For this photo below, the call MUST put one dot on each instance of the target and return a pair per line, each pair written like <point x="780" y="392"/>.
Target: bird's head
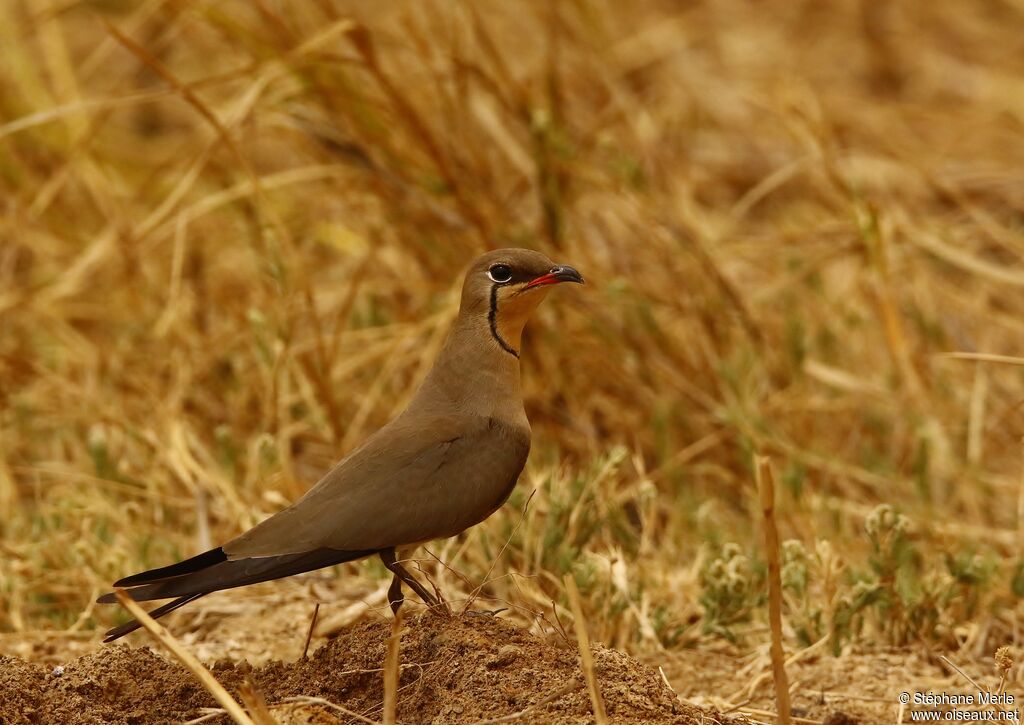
<point x="506" y="285"/>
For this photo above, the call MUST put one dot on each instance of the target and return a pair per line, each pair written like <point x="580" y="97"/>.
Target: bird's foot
<point x="433" y="603"/>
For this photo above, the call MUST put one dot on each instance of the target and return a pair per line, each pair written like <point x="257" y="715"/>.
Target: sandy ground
<point x="460" y="669"/>
<point x="464" y="669"/>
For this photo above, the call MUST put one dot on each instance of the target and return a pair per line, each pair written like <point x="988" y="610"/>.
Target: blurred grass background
<point x="233" y="234"/>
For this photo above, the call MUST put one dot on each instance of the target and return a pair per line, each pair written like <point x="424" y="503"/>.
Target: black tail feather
<point x="188" y="566"/>
<point x="127" y="627"/>
<point x="238" y="573"/>
<point x="194" y="580"/>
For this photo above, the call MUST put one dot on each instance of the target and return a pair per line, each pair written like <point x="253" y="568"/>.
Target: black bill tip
<point x="565" y="273"/>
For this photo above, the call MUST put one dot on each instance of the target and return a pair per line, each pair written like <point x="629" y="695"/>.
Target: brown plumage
<point x="446" y="463"/>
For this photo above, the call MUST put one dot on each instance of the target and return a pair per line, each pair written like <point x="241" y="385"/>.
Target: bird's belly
<point x="475" y="507"/>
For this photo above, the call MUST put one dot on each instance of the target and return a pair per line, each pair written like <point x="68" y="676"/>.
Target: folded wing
<point x="400" y="488"/>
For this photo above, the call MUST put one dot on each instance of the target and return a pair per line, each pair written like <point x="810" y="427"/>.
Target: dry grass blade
<point x="985" y="357"/>
<point x="304" y="700"/>
<point x="767" y="713"/>
<point x="255" y="703"/>
<point x="586" y="655"/>
<point x="766" y="487"/>
<point x="973" y="682"/>
<point x="297" y="702"/>
<point x="392" y="670"/>
<point x="208" y="714"/>
<point x="186" y="658"/>
<point x="193" y="100"/>
<point x="487" y="577"/>
<point x="309" y="632"/>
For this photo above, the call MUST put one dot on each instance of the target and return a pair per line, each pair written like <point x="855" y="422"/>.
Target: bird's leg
<point x="401" y="575"/>
<point x="395" y="596"/>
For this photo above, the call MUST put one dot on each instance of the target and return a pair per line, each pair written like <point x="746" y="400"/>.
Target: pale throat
<point x="512" y="312"/>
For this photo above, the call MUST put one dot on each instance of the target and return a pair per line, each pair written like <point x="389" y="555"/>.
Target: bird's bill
<point x="561" y="273"/>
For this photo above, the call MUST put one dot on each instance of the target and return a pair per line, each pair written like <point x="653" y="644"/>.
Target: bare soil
<point x="487" y="667"/>
<point x="461" y="669"/>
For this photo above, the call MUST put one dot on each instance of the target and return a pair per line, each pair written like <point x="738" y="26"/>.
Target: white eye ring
<point x="500" y="273"/>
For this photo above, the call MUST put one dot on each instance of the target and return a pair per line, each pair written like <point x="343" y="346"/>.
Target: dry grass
<point x="232" y="235"/>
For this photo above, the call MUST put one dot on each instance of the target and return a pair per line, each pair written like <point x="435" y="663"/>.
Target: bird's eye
<point x="500" y="273"/>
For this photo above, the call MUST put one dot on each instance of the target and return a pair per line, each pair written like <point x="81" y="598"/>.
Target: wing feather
<point x="414" y="481"/>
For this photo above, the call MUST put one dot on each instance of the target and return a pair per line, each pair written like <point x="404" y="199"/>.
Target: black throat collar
<point x="492" y="318"/>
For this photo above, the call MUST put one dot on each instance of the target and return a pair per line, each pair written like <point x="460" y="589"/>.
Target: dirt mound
<point x="454" y="670"/>
<point x="114" y="685"/>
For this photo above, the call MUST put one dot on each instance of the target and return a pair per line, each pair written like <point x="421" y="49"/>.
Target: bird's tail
<point x="212" y="571"/>
<point x="127" y="627"/>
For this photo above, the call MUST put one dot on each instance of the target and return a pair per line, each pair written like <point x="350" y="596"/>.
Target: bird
<point x="448" y="461"/>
